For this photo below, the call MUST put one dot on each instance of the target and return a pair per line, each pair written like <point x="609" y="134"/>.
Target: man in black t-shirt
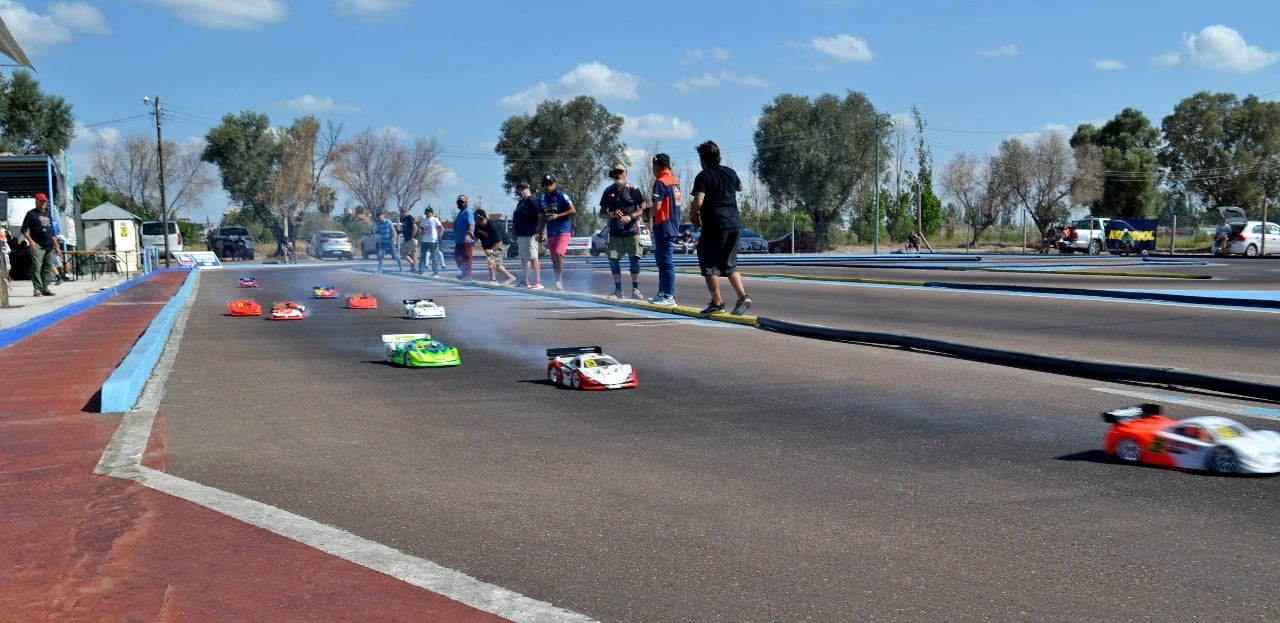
<point x="527" y="220"/>
<point x="493" y="241"/>
<point x="37" y="228"/>
<point x="715" y="210"/>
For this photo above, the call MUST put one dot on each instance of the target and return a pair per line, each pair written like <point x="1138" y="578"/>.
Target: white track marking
<point x="1237" y="410"/>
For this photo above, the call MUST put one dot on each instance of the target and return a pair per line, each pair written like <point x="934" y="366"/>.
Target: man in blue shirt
<point x="558" y="225"/>
<point x="386" y="241"/>
<point x="464" y="236"/>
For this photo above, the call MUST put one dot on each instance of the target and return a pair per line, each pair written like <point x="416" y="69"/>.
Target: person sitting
<point x="913" y="243"/>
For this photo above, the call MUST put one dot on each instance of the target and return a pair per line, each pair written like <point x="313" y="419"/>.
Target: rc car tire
<point x="575" y="380"/>
<point x="551" y="376"/>
<point x="1223" y="461"/>
<point x="1128" y="450"/>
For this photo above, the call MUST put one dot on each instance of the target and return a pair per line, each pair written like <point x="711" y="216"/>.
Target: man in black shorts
<point x="715" y="210"/>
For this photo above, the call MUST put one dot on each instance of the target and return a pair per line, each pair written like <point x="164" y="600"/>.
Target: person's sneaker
<point x="493" y="282"/>
<point x="616" y="294"/>
<point x="657" y="298"/>
<point x="559" y="287"/>
<point x="47" y="293"/>
<point x="664" y="301"/>
<point x="712" y="308"/>
<point x="537" y="286"/>
<point x="635" y="294"/>
<point x="508" y="281"/>
<point x="742" y="306"/>
<point x="36" y="294"/>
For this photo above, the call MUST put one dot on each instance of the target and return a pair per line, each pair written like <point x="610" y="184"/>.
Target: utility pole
<point x="164" y="211"/>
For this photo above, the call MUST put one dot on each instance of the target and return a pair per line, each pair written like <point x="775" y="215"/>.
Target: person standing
<point x="664" y="219"/>
<point x="558" y="225"/>
<point x="37" y="228"/>
<point x="1221" y="237"/>
<point x="715" y="210"/>
<point x="527" y="220"/>
<point x="432" y="230"/>
<point x="386" y="241"/>
<point x="494" y="242"/>
<point x="464" y="236"/>
<point x="410" y="234"/>
<point x="623" y="205"/>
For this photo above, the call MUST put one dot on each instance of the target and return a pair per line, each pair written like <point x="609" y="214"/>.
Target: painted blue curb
<point x="44" y="321"/>
<point x="121" y="390"/>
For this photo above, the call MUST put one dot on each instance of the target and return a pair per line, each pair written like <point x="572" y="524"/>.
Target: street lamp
<point x="164" y="212"/>
<point x="876" y="237"/>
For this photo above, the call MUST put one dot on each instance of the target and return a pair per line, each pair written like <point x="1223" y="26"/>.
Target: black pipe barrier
<point x="1045" y="363"/>
<point x="1207" y="299"/>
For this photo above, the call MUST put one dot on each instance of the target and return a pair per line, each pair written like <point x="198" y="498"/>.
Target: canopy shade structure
<point x="9" y="47"/>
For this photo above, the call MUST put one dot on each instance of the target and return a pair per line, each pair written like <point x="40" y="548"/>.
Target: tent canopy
<point x="9" y="47"/>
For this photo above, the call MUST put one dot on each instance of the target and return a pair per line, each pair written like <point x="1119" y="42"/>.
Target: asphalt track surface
<point x="752" y="476"/>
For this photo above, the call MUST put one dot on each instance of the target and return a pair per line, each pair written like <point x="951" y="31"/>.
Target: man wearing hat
<point x="464" y="237"/>
<point x="432" y="229"/>
<point x="623" y="204"/>
<point x="37" y="228"/>
<point x="527" y="220"/>
<point x="558" y="209"/>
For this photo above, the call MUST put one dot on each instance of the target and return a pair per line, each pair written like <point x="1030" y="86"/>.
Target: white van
<point x="153" y="236"/>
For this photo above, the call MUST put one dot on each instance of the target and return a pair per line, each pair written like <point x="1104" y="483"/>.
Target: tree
<point x="32" y="122"/>
<point x="928" y="205"/>
<point x="1128" y="145"/>
<point x="577" y="141"/>
<point x="972" y="183"/>
<point x="1224" y="151"/>
<point x="1043" y="178"/>
<point x="817" y="155"/>
<point x="245" y="149"/>
<point x="89" y="194"/>
<point x="129" y="170"/>
<point x="383" y="176"/>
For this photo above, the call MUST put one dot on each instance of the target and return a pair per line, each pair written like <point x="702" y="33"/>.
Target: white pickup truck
<point x="1087" y="235"/>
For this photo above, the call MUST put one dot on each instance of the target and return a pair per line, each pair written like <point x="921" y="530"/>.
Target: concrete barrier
<point x="121" y="390"/>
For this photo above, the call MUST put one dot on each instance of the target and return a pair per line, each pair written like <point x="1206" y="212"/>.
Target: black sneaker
<point x="712" y="308"/>
<point x="742" y="306"/>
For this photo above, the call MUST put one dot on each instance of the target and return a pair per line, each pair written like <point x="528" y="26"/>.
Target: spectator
<point x="913" y="243"/>
<point x="386" y="241"/>
<point x="494" y="242"/>
<point x="715" y="210"/>
<point x="528" y="220"/>
<point x="37" y="228"/>
<point x="409" y="243"/>
<point x="623" y="205"/>
<point x="464" y="236"/>
<point x="558" y="225"/>
<point x="664" y="219"/>
<point x="1221" y="237"/>
<point x="432" y="230"/>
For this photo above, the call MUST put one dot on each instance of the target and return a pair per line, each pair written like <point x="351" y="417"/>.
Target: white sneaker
<point x="536" y="286"/>
<point x="559" y="287"/>
<point x="493" y="283"/>
<point x="665" y="301"/>
<point x="508" y="281"/>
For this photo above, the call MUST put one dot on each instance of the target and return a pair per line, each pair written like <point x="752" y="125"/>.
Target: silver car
<point x="751" y="242"/>
<point x="1250" y="238"/>
<point x="330" y="244"/>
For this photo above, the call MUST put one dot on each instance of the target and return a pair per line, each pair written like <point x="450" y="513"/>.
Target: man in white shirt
<point x="432" y="229"/>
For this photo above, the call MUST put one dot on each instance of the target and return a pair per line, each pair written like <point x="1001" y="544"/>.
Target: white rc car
<point x="422" y="308"/>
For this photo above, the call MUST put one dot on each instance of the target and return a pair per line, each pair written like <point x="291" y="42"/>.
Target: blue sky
<point x="683" y="73"/>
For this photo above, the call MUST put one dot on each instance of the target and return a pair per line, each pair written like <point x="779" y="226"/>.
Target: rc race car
<point x="1140" y="434"/>
<point x="288" y="310"/>
<point x="248" y="282"/>
<point x="422" y="308"/>
<point x="244" y="307"/>
<point x="587" y="367"/>
<point x="324" y="292"/>
<point x="362" y="300"/>
<point x="418" y="350"/>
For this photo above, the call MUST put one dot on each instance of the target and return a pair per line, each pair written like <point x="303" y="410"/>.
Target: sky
<point x="454" y="70"/>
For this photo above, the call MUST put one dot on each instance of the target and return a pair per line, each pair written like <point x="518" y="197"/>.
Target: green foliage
<point x="32" y="122"/>
<point x="577" y="141"/>
<point x="89" y="195"/>
<point x="1222" y="150"/>
<point x="246" y="150"/>
<point x="1128" y="145"/>
<point x="817" y="155"/>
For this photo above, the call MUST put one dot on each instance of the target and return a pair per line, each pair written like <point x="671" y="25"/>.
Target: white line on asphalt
<point x="122" y="458"/>
<point x="1238" y="410"/>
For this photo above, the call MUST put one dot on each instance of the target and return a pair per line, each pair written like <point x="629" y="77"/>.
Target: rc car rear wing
<point x="1125" y="414"/>
<point x="569" y="351"/>
<point x="403" y="338"/>
<point x="416" y="301"/>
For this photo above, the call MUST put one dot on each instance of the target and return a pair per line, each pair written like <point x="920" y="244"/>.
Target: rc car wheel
<point x="551" y="375"/>
<point x="1224" y="461"/>
<point x="575" y="380"/>
<point x="1127" y="450"/>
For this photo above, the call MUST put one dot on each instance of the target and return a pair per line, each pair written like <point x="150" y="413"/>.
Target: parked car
<point x="232" y="242"/>
<point x="600" y="241"/>
<point x="330" y="244"/>
<point x="1250" y="238"/>
<point x="751" y="242"/>
<point x="805" y="242"/>
<point x="369" y="241"/>
<point x="153" y="236"/>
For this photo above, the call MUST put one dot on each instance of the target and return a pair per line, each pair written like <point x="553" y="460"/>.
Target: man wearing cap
<point x="37" y="228"/>
<point x="464" y="237"/>
<point x="386" y="241"/>
<point x="432" y="229"/>
<point x="527" y="220"/>
<point x="623" y="205"/>
<point x="558" y="227"/>
<point x="664" y="219"/>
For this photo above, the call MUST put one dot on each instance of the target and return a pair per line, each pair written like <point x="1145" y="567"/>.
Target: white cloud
<point x="698" y="54"/>
<point x="36" y="32"/>
<point x="234" y="14"/>
<point x="308" y="104"/>
<point x="709" y="80"/>
<point x="1219" y="47"/>
<point x="594" y="79"/>
<point x="1029" y="138"/>
<point x="370" y="7"/>
<point x="654" y="127"/>
<point x="1007" y="49"/>
<point x="844" y="48"/>
<point x="1108" y="64"/>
